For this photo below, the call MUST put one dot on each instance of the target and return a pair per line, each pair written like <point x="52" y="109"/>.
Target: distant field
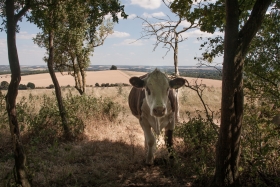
<point x="116" y="76"/>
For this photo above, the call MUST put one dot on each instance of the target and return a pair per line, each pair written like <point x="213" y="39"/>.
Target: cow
<point x="153" y="101"/>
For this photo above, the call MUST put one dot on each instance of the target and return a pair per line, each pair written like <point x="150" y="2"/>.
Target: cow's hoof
<point x="172" y="161"/>
<point x="149" y="163"/>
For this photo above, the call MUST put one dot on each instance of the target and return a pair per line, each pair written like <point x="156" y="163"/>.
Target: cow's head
<point x="157" y="86"/>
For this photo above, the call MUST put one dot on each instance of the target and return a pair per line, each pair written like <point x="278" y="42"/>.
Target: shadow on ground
<point x="89" y="163"/>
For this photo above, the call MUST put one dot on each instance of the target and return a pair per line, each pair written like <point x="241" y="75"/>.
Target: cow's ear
<point x="177" y="83"/>
<point x="137" y="82"/>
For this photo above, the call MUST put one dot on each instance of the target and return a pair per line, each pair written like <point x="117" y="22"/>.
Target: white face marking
<point x="156" y="89"/>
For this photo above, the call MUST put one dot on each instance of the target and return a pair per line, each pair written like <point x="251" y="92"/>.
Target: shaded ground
<point x="91" y="163"/>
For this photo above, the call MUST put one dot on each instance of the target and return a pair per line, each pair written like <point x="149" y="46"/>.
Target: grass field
<point x="111" y="152"/>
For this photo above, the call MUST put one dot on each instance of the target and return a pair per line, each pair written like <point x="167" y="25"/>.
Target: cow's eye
<point x="148" y="90"/>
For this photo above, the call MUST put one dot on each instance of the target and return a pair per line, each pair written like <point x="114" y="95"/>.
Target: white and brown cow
<point x="152" y="100"/>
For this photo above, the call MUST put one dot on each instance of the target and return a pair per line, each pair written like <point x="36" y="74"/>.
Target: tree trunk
<point x="80" y="61"/>
<point x="235" y="48"/>
<point x="176" y="56"/>
<point x="19" y="155"/>
<point x="62" y="111"/>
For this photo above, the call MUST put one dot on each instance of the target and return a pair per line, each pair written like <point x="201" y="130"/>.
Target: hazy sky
<point x="118" y="49"/>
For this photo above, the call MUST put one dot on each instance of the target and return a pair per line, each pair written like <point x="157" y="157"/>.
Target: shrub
<point x="113" y="67"/>
<point x="43" y="121"/>
<point x="97" y="84"/>
<point x="260" y="159"/>
<point x="198" y="147"/>
<point x="4" y="85"/>
<point x="50" y="86"/>
<point x="31" y="85"/>
<point x="22" y="87"/>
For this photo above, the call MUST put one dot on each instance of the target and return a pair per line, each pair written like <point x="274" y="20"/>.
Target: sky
<point x="123" y="46"/>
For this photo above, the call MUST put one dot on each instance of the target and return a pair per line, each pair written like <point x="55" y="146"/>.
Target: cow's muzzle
<point x="159" y="111"/>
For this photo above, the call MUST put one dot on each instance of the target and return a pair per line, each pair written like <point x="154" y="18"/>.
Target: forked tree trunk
<point x="62" y="111"/>
<point x="235" y="48"/>
<point x="19" y="155"/>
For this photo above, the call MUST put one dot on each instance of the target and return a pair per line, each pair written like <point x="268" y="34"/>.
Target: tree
<point x="47" y="19"/>
<point x="261" y="65"/>
<point x="113" y="67"/>
<point x="243" y="19"/>
<point x="31" y="85"/>
<point x="168" y="32"/>
<point x="4" y="85"/>
<point x="72" y="51"/>
<point x="11" y="15"/>
<point x="50" y="21"/>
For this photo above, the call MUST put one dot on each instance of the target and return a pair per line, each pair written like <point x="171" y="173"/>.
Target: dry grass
<point x="111" y="154"/>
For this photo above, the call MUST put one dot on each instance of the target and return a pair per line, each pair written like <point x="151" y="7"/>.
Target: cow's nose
<point x="159" y="111"/>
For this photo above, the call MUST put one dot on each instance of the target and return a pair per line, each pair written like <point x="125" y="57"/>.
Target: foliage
<point x="22" y="87"/>
<point x="50" y="86"/>
<point x="261" y="123"/>
<point x="260" y="139"/>
<point x="198" y="147"/>
<point x="3" y="112"/>
<point x="262" y="69"/>
<point x="31" y="85"/>
<point x="75" y="36"/>
<point x="39" y="116"/>
<point x="4" y="85"/>
<point x="113" y="67"/>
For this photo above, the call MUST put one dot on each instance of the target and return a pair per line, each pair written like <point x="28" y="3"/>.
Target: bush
<point x="4" y="85"/>
<point x="198" y="148"/>
<point x="43" y="123"/>
<point x="50" y="86"/>
<point x="31" y="85"/>
<point x="97" y="84"/>
<point x="22" y="87"/>
<point x="113" y="67"/>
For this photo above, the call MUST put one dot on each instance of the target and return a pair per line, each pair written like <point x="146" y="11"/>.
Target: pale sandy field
<point x="116" y="76"/>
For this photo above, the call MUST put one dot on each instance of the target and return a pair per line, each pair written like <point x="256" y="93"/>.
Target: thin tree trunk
<point x="235" y="48"/>
<point x="62" y="111"/>
<point x="176" y="56"/>
<point x="19" y="155"/>
<point x="83" y="74"/>
<point x="78" y="83"/>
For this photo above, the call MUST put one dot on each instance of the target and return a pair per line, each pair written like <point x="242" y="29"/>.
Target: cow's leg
<point x="169" y="142"/>
<point x="149" y="142"/>
<point x="169" y="137"/>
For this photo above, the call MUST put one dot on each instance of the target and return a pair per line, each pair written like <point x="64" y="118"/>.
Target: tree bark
<point x="176" y="56"/>
<point x="62" y="111"/>
<point x="19" y="155"/>
<point x="235" y="48"/>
